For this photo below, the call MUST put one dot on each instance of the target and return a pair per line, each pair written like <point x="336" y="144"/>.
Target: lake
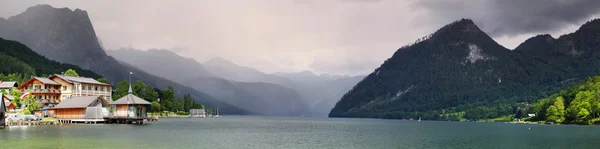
<point x="285" y="132"/>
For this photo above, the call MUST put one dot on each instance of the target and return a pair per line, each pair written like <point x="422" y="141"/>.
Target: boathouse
<point x="130" y="106"/>
<point x="82" y="109"/>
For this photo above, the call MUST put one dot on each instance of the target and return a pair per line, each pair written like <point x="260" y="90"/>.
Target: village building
<point x="8" y="105"/>
<point x="130" y="106"/>
<point x="200" y="113"/>
<point x="82" y="86"/>
<point x="81" y="109"/>
<point x="44" y="90"/>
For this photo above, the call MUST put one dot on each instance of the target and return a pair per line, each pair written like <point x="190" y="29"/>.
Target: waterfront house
<point x="46" y="91"/>
<point x="130" y="106"/>
<point x="197" y="113"/>
<point x="82" y="86"/>
<point x="7" y="85"/>
<point x="82" y="108"/>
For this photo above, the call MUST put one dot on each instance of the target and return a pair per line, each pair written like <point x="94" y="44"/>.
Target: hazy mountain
<point x="68" y="36"/>
<point x="259" y="98"/>
<point x="165" y="63"/>
<point x="321" y="92"/>
<point x="458" y="68"/>
<point x="231" y="71"/>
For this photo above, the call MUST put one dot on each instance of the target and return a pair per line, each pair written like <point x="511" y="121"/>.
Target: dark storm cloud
<point x="512" y="17"/>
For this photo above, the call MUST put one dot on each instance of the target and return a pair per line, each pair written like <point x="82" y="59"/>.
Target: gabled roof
<point x="43" y="80"/>
<point x="8" y="84"/>
<point x="71" y="79"/>
<point x="79" y="102"/>
<point x="130" y="99"/>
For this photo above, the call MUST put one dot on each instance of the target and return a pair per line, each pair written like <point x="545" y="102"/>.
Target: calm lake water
<point x="283" y="132"/>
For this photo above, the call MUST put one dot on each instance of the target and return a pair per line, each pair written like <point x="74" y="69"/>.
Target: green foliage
<point x="31" y="104"/>
<point x="71" y="73"/>
<point x="555" y="113"/>
<point x="155" y="106"/>
<point x="579" y="104"/>
<point x="16" y="93"/>
<point x="121" y="89"/>
<point x="19" y="78"/>
<point x="103" y="80"/>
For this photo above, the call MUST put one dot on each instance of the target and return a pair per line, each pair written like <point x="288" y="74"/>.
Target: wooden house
<point x="46" y="91"/>
<point x="83" y="108"/>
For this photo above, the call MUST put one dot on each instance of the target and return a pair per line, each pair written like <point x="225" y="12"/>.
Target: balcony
<point x="43" y="91"/>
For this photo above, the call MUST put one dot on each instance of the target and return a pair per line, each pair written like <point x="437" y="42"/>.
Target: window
<point x="64" y="88"/>
<point x="55" y="97"/>
<point x="90" y="88"/>
<point x="39" y="97"/>
<point x="83" y="87"/>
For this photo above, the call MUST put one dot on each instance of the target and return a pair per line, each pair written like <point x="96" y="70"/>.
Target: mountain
<point x="228" y="70"/>
<point x="459" y="68"/>
<point x="18" y="58"/>
<point x="68" y="37"/>
<point x="173" y="66"/>
<point x="321" y="92"/>
<point x="257" y="97"/>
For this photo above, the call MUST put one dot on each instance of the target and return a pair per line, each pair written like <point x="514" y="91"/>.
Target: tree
<point x="581" y="101"/>
<point x="556" y="112"/>
<point x="168" y="99"/>
<point x="103" y="80"/>
<point x="121" y="90"/>
<point x="150" y="93"/>
<point x="4" y="92"/>
<point x="155" y="106"/>
<point x="138" y="88"/>
<point x="583" y="117"/>
<point x="71" y="72"/>
<point x="31" y="104"/>
<point x="16" y="93"/>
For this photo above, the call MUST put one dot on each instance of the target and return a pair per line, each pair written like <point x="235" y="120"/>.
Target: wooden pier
<point x="31" y="123"/>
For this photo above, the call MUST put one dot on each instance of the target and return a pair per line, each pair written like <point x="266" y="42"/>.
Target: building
<point x="130" y="106"/>
<point x="200" y="113"/>
<point x="82" y="86"/>
<point x="2" y="112"/>
<point x="82" y="108"/>
<point x="7" y="85"/>
<point x="8" y="105"/>
<point x="46" y="91"/>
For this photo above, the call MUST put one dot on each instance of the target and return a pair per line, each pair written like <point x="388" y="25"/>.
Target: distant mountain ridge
<point x="68" y="36"/>
<point x="459" y="68"/>
<point x="257" y="97"/>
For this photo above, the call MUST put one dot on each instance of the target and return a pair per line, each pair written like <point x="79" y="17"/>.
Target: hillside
<point x="459" y="68"/>
<point x="18" y="58"/>
<point x="68" y="36"/>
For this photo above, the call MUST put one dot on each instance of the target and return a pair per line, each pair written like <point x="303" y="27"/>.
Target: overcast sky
<point x="323" y="36"/>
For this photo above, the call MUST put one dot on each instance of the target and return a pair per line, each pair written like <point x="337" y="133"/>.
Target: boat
<point x="419" y="119"/>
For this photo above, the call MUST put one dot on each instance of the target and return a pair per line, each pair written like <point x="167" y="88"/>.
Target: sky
<point x="344" y="37"/>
